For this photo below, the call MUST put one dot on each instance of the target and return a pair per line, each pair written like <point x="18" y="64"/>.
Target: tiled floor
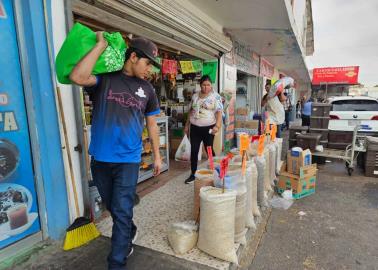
<point x="171" y="201"/>
<point x="175" y="168"/>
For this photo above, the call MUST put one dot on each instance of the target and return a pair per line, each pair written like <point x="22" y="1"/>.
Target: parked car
<point x="349" y="111"/>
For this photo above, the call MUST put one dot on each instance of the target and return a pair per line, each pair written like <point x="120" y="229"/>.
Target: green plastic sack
<point x="79" y="42"/>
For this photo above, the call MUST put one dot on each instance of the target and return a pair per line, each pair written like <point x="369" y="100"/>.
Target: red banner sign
<point x="266" y="69"/>
<point x="335" y="75"/>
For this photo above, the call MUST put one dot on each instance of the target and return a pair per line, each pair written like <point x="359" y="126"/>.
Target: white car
<point x="349" y="111"/>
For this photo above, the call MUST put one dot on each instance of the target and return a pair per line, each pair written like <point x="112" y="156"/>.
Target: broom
<point x="82" y="230"/>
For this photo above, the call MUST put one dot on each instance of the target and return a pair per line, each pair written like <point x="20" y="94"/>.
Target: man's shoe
<point x="190" y="179"/>
<point x="131" y="252"/>
<point x="135" y="237"/>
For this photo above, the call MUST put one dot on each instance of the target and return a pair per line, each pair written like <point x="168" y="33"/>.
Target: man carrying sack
<point x="121" y="100"/>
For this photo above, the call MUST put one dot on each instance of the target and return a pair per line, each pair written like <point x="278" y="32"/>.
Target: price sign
<point x="267" y="126"/>
<point x="223" y="167"/>
<point x="260" y="148"/>
<point x="273" y="133"/>
<point x="244" y="143"/>
<point x="244" y="164"/>
<point x="210" y="155"/>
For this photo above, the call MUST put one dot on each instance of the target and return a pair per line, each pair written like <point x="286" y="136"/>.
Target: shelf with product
<point x="147" y="164"/>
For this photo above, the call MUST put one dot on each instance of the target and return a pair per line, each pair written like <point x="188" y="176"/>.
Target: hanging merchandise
<point x="216" y="233"/>
<point x="155" y="69"/>
<point x="197" y="65"/>
<point x="169" y="67"/>
<point x="187" y="67"/>
<point x="79" y="42"/>
<point x="210" y="68"/>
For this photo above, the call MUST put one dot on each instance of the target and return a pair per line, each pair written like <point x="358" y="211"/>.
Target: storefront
<point x="188" y="48"/>
<point x="247" y="64"/>
<point x="33" y="198"/>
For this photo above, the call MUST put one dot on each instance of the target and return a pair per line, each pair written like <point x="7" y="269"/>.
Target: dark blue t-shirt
<point x="120" y="103"/>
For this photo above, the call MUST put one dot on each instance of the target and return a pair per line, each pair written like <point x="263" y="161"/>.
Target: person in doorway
<point x="265" y="106"/>
<point x="306" y="112"/>
<point x="288" y="108"/>
<point x="204" y="121"/>
<point x="298" y="108"/>
<point x="121" y="101"/>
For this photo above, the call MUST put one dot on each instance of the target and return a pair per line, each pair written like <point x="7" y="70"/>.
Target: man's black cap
<point x="147" y="47"/>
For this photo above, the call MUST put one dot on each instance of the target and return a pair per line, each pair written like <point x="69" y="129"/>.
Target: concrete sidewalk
<point x="338" y="228"/>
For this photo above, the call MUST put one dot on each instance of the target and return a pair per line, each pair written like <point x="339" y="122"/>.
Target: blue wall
<point x="49" y="162"/>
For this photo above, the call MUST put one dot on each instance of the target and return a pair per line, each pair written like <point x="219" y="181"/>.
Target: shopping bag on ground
<point x="183" y="151"/>
<point x="79" y="42"/>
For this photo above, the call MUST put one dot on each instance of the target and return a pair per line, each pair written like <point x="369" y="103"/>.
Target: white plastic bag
<point x="216" y="233"/>
<point x="183" y="151"/>
<point x="183" y="236"/>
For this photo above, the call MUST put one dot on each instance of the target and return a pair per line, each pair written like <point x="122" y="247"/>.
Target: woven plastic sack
<point x="276" y="111"/>
<point x="235" y="181"/>
<point x="272" y="161"/>
<point x="79" y="42"/>
<point x="260" y="165"/>
<point x="254" y="177"/>
<point x="217" y="229"/>
<point x="249" y="220"/>
<point x="183" y="236"/>
<point x="204" y="178"/>
<point x="267" y="186"/>
<point x="252" y="150"/>
<point x="279" y="142"/>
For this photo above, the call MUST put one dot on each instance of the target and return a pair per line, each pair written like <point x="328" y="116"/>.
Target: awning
<point x="268" y="27"/>
<point x="172" y="25"/>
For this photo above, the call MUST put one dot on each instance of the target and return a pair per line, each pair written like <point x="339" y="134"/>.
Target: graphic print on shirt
<point x="125" y="99"/>
<point x="140" y="92"/>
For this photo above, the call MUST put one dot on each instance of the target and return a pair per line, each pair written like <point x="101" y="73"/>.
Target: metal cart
<point x="351" y="152"/>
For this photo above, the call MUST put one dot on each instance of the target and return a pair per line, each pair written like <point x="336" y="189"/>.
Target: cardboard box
<point x="302" y="185"/>
<point x="296" y="160"/>
<point x="242" y="111"/>
<point x="252" y="124"/>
